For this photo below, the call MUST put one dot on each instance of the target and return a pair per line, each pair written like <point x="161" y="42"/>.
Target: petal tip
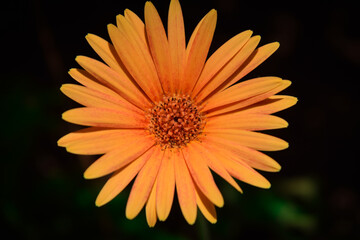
<point x="276" y="45"/>
<point x="89" y="174"/>
<point x="129" y="215"/>
<point x="60" y="142"/>
<point x="295" y="100"/>
<point x="80" y="58"/>
<point x="111" y="27"/>
<point x="99" y="203"/>
<point x="71" y="71"/>
<point x="213" y="13"/>
<point x="213" y="221"/>
<point x="89" y="35"/>
<point x="238" y="188"/>
<point x="256" y="38"/>
<point x="285" y="124"/>
<point x="86" y="175"/>
<point x="148" y="4"/>
<point x="64" y="115"/>
<point x="283" y="145"/>
<point x="127" y="11"/>
<point x="64" y="87"/>
<point x="248" y="32"/>
<point x="191" y="221"/>
<point x="220" y="202"/>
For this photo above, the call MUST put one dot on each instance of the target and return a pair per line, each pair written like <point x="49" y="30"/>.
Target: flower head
<point x="161" y="112"/>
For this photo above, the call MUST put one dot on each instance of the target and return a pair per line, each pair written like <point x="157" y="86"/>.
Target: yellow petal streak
<point x="159" y="45"/>
<point x="92" y="98"/>
<point x="93" y="140"/>
<point x="120" y="179"/>
<point x="216" y="166"/>
<point x="239" y="105"/>
<point x="271" y="105"/>
<point x="150" y="208"/>
<point x="242" y="91"/>
<point x="176" y="38"/>
<point x="256" y="140"/>
<point x="250" y="156"/>
<point x="165" y="186"/>
<point x="137" y="24"/>
<point x="185" y="188"/>
<point x="143" y="184"/>
<point x="238" y="168"/>
<point x="197" y="50"/>
<point x="136" y="57"/>
<point x="201" y="173"/>
<point x="90" y="82"/>
<point x="218" y="80"/>
<point x="255" y="59"/>
<point x="118" y="158"/>
<point x="218" y="59"/>
<point x="102" y="117"/>
<point x="242" y="171"/>
<point x="110" y="78"/>
<point x="240" y="120"/>
<point x="106" y="51"/>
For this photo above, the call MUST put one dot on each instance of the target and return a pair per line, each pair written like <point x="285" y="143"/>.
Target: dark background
<point x="315" y="196"/>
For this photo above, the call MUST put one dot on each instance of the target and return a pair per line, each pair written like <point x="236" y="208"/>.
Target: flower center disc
<point x="175" y="121"/>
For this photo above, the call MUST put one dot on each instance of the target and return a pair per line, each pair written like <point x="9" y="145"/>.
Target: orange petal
<point x="238" y="106"/>
<point x="246" y="121"/>
<point x="228" y="70"/>
<point x="133" y="31"/>
<point x="197" y="50"/>
<point x="136" y="57"/>
<point x="89" y="81"/>
<point x="256" y="140"/>
<point x="244" y="154"/>
<point x="242" y="91"/>
<point x="176" y="38"/>
<point x="120" y="84"/>
<point x="106" y="51"/>
<point x="83" y="133"/>
<point x="206" y="207"/>
<point x="120" y="179"/>
<point x="271" y="105"/>
<point x="92" y="98"/>
<point x="238" y="168"/>
<point x="137" y="24"/>
<point x="92" y="141"/>
<point x="150" y="208"/>
<point x="143" y="184"/>
<point x="256" y="58"/>
<point x="118" y="158"/>
<point x="201" y="173"/>
<point x="217" y="167"/>
<point x="165" y="186"/>
<point x="101" y="117"/>
<point x="159" y="46"/>
<point x="185" y="188"/>
<point x="220" y="58"/>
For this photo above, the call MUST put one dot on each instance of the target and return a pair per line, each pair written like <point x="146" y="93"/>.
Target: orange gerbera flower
<point x="163" y="114"/>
